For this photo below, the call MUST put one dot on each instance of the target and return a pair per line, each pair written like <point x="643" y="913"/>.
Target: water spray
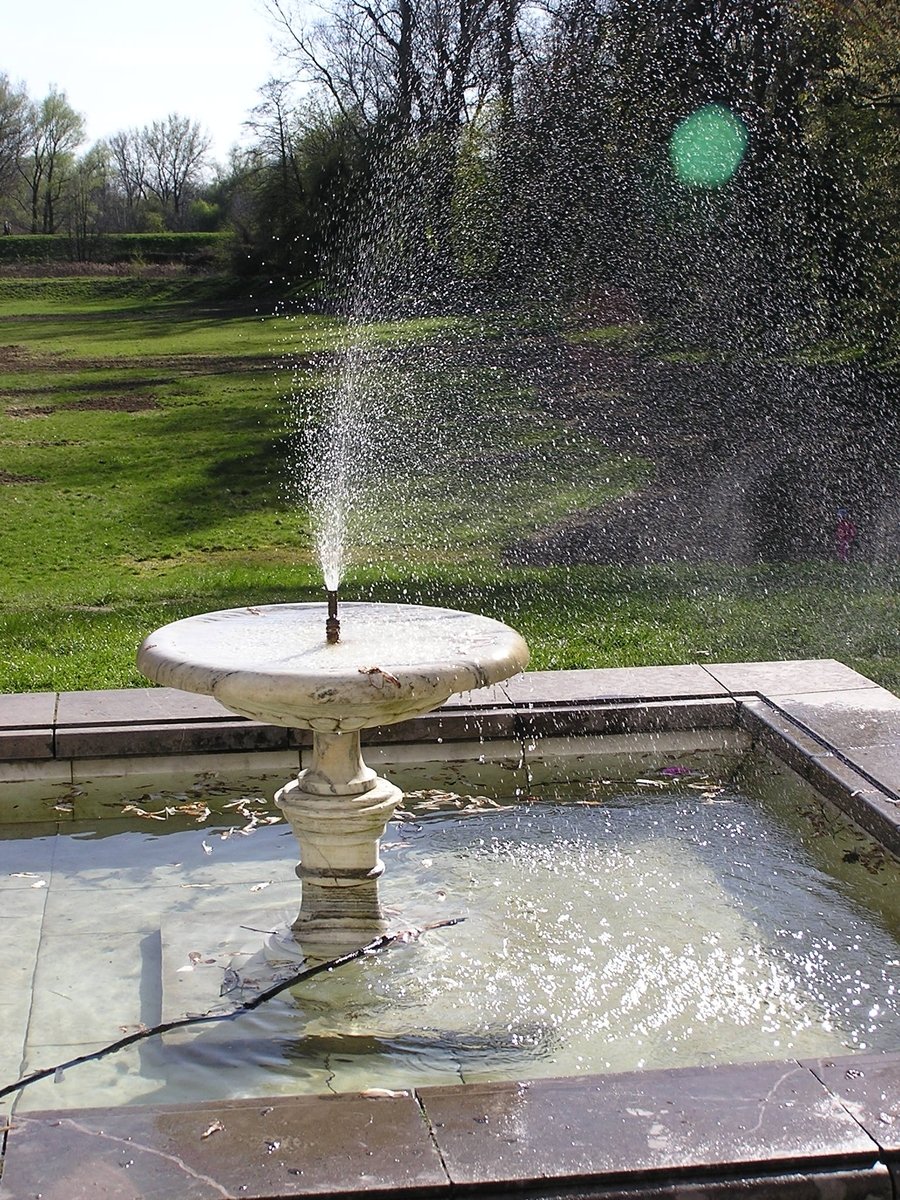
<point x="332" y="624"/>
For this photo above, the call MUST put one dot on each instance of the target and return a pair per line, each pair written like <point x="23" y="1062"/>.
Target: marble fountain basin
<point x="272" y="663"/>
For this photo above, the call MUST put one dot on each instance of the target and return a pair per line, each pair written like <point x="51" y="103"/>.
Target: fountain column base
<point x="338" y="817"/>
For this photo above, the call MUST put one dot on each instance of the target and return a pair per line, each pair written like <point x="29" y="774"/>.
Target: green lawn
<point x="148" y="470"/>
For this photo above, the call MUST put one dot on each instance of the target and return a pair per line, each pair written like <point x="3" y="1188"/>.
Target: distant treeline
<point x="723" y="173"/>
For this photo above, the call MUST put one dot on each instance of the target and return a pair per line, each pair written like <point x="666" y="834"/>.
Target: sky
<point x="126" y="63"/>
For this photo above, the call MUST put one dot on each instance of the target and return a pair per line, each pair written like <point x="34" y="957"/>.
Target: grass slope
<point x="145" y="474"/>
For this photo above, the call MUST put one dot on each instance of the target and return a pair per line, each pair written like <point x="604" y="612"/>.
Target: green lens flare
<point x="708" y="147"/>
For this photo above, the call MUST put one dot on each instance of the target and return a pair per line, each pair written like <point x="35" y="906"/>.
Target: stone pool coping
<point x="789" y="1128"/>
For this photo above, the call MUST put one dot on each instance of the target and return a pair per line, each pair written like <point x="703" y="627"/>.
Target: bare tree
<point x="273" y="121"/>
<point x="176" y="154"/>
<point x="423" y="64"/>
<point x="128" y="152"/>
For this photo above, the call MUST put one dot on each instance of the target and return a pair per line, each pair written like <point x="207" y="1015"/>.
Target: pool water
<point x="677" y="919"/>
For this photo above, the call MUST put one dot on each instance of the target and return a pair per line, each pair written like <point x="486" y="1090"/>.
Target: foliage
<point x="529" y="147"/>
<point x="852" y="125"/>
<point x="293" y="199"/>
<point x="45" y="161"/>
<point x="14" y="117"/>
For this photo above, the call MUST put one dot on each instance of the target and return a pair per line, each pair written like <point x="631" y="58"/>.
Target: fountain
<point x="280" y="664"/>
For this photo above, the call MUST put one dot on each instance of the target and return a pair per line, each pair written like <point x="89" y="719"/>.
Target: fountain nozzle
<point x="332" y="624"/>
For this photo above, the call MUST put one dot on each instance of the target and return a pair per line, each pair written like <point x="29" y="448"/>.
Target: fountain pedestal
<point x="273" y="664"/>
<point x="338" y="809"/>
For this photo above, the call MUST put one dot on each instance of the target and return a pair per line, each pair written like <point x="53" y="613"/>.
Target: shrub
<point x="198" y="250"/>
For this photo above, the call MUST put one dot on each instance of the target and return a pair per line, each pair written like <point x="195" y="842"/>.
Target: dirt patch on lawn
<point x="115" y="404"/>
<point x="11" y="478"/>
<point x="89" y="404"/>
<point x="24" y="412"/>
<point x="176" y="365"/>
<point x="16" y="358"/>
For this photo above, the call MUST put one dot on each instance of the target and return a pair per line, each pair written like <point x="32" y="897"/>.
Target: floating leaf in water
<point x="195" y="809"/>
<point x="136" y="811"/>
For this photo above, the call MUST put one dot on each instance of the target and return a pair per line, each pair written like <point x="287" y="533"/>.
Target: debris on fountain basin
<point x="386" y="663"/>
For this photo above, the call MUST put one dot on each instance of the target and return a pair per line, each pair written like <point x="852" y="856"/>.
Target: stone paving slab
<point x="608" y="683"/>
<point x="652" y="716"/>
<point x="864" y="783"/>
<point x="309" y="1146"/>
<point x="26" y="725"/>
<point x="848" y="717"/>
<point x="28" y="710"/>
<point x="791" y="676"/>
<point x="869" y="1087"/>
<point x="774" y="730"/>
<point x="773" y="1130"/>
<point x="136" y="705"/>
<point x="654" y="1121"/>
<point x="165" y="721"/>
